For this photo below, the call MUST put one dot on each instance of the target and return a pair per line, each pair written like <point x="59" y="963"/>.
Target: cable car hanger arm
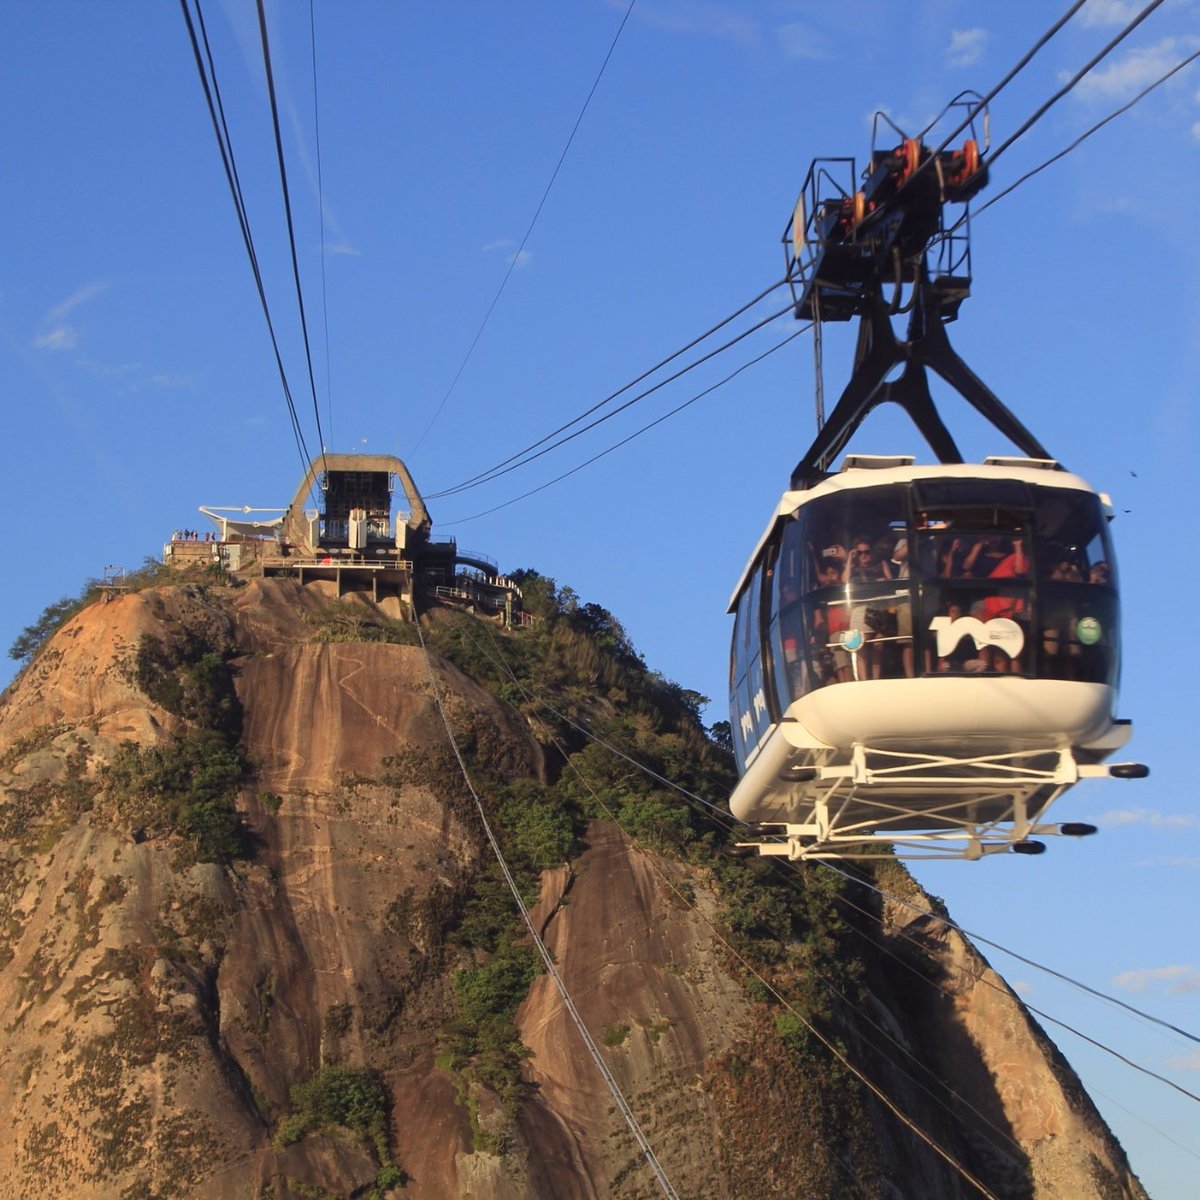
<point x="927" y="345"/>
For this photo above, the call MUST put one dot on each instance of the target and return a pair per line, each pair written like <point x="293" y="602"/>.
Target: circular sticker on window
<point x="1088" y="631"/>
<point x="852" y="640"/>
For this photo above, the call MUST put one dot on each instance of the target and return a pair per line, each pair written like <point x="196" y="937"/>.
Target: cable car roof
<point x="863" y="471"/>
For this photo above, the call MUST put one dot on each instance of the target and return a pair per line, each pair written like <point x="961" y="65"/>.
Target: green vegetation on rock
<point x="187" y="786"/>
<point x="54" y="616"/>
<point x="339" y="624"/>
<point x="346" y="1097"/>
<point x="574" y="671"/>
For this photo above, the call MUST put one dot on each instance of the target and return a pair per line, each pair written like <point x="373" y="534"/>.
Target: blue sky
<point x="138" y="380"/>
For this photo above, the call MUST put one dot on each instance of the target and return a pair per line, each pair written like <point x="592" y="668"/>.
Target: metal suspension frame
<point x="846" y="243"/>
<point x="1011" y="788"/>
<point x="926" y="346"/>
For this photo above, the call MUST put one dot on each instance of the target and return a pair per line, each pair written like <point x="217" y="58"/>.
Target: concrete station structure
<point x="358" y="539"/>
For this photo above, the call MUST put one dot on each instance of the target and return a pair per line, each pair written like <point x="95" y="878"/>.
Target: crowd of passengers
<point x="885" y="621"/>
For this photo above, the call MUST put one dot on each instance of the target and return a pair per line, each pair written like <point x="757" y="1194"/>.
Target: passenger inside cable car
<point x="945" y="576"/>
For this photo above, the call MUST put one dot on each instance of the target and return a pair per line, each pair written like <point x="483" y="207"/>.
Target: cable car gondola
<point x="923" y="655"/>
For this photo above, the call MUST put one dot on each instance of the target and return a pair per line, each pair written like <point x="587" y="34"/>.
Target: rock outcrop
<point x="183" y="1019"/>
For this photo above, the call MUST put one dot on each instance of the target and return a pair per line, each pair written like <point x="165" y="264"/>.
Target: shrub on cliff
<point x="187" y="787"/>
<point x="354" y="1098"/>
<point x="54" y="616"/>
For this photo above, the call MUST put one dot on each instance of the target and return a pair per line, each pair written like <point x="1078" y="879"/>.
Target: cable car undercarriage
<point x="990" y="804"/>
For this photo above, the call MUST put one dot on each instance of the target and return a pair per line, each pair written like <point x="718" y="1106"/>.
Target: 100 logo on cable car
<point x="1001" y="632"/>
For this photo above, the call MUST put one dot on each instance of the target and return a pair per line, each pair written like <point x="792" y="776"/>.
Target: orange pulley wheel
<point x="859" y="209"/>
<point x="970" y="162"/>
<point x="910" y="156"/>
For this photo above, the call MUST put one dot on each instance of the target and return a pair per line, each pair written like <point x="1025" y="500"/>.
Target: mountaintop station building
<point x="355" y="540"/>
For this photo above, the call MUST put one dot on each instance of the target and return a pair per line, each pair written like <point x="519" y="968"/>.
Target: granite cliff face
<point x="252" y="943"/>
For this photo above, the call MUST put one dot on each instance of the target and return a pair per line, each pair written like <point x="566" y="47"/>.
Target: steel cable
<point x="543" y="952"/>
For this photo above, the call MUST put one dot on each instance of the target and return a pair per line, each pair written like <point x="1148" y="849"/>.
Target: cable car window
<point x="976" y="629"/>
<point x="790" y="565"/>
<point x="782" y="656"/>
<point x="758" y="699"/>
<point x="1073" y="545"/>
<point x="748" y="701"/>
<point x="743" y="735"/>
<point x="857" y="608"/>
<point x="775" y="595"/>
<point x="827" y="620"/>
<point x="769" y="649"/>
<point x="935" y="494"/>
<point x="1078" y="614"/>
<point x="756" y="684"/>
<point x="787" y="638"/>
<point x="1079" y="624"/>
<point x="735" y="647"/>
<point x="977" y="555"/>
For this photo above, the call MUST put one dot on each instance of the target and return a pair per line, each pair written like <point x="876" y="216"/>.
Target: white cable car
<point x="922" y="655"/>
<point x="927" y="655"/>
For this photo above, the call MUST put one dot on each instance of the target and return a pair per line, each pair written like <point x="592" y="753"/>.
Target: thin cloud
<point x="109" y="370"/>
<point x="904" y="121"/>
<point x="966" y="46"/>
<point x="81" y="295"/>
<point x="244" y="25"/>
<point x="62" y="337"/>
<point x="1108" y="12"/>
<point x="521" y="259"/>
<point x="1022" y="987"/>
<point x="1186" y="1062"/>
<point x="1180" y="980"/>
<point x="498" y="244"/>
<point x="800" y="41"/>
<point x="1152" y="820"/>
<point x="710" y="20"/>
<point x="342" y="248"/>
<point x="1182" y="863"/>
<point x="1136" y="70"/>
<point x="332" y="226"/>
<point x="57" y="335"/>
<point x="170" y="382"/>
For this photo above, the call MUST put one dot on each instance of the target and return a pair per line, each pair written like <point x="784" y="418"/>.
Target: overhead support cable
<point x="636" y="433"/>
<point x="1083" y="137"/>
<point x="498" y="660"/>
<point x="730" y="821"/>
<point x="312" y="30"/>
<point x="291" y="231"/>
<point x="608" y="416"/>
<point x="779" y="997"/>
<point x="1029" y="962"/>
<point x="525" y="455"/>
<point x="1073" y="82"/>
<point x="984" y="100"/>
<point x="216" y="110"/>
<point x="1142" y="1121"/>
<point x="516" y="258"/>
<point x="546" y="957"/>
<point x="491" y="472"/>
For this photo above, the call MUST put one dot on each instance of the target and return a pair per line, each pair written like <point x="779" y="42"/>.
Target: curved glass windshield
<point x="938" y="577"/>
<point x="961" y="576"/>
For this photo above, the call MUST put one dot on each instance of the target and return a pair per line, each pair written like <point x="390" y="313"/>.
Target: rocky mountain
<point x="254" y="942"/>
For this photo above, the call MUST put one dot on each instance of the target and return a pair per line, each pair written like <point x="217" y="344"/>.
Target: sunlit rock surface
<point x="157" y="1011"/>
